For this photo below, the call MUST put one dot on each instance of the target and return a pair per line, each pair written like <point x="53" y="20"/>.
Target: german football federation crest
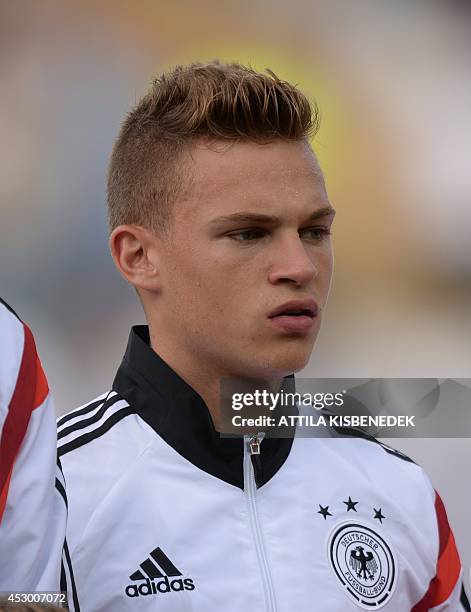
<point x="364" y="563"/>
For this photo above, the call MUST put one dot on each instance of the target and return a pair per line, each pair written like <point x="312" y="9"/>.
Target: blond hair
<point x="218" y="101"/>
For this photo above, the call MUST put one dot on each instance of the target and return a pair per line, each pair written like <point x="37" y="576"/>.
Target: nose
<point x="293" y="263"/>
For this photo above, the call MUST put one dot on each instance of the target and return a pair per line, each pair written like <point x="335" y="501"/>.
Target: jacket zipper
<point x="252" y="449"/>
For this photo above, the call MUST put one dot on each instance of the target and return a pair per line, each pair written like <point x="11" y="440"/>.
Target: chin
<point x="286" y="362"/>
<point x="294" y="365"/>
<point x="292" y="357"/>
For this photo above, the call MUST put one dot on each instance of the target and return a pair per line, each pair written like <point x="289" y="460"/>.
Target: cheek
<point x="201" y="287"/>
<point x="325" y="265"/>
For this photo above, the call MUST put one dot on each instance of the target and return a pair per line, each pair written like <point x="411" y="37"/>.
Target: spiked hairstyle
<point x="214" y="101"/>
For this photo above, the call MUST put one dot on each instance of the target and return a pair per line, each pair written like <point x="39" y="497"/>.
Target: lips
<point x="296" y="317"/>
<point x="296" y="308"/>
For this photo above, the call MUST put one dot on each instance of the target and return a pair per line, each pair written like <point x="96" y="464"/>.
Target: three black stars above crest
<point x="351" y="505"/>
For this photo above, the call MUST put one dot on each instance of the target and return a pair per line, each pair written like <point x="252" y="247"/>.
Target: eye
<point x="317" y="234"/>
<point x="247" y="235"/>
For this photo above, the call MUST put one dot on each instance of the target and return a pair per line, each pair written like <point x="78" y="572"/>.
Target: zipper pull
<point x="253" y="443"/>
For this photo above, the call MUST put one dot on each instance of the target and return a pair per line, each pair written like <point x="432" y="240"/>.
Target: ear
<point x="136" y="255"/>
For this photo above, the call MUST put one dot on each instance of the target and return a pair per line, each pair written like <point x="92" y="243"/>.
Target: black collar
<point x="180" y="416"/>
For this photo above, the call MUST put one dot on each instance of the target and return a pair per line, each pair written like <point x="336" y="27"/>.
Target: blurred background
<point x="392" y="82"/>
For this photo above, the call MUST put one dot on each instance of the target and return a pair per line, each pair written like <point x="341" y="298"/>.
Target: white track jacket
<point x="32" y="513"/>
<point x="165" y="515"/>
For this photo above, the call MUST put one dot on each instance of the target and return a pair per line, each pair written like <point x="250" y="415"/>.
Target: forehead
<point x="228" y="177"/>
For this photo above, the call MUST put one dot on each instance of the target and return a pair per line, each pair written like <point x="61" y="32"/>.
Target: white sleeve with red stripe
<point x="445" y="591"/>
<point x="32" y="513"/>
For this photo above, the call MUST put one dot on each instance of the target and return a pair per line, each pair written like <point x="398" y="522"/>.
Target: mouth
<point x="296" y="316"/>
<point x="296" y="308"/>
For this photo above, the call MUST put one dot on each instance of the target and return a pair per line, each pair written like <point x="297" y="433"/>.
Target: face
<point x="246" y="268"/>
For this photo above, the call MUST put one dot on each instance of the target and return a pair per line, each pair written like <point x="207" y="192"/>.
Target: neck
<point x="205" y="379"/>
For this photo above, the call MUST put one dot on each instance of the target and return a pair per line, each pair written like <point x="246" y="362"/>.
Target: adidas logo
<point x="156" y="573"/>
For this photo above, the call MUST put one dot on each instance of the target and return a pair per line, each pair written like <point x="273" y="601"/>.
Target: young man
<point x="220" y="219"/>
<point x="32" y="515"/>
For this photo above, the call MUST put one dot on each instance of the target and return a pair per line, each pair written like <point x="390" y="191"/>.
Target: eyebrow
<point x="251" y="217"/>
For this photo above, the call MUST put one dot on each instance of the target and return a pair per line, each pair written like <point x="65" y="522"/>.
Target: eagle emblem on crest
<point x="363" y="564"/>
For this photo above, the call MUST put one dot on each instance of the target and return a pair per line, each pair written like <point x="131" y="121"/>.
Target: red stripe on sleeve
<point x="4" y="493"/>
<point x="42" y="388"/>
<point x="19" y="412"/>
<point x="448" y="564"/>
